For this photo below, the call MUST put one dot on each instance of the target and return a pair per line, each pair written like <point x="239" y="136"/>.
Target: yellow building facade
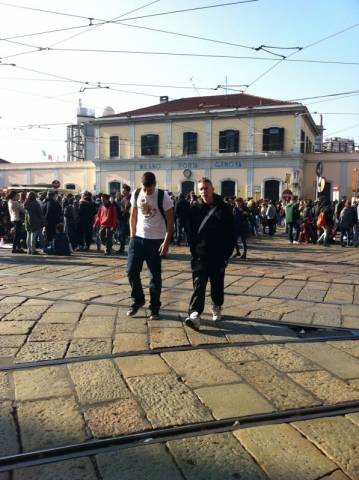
<point x="248" y="169"/>
<point x="249" y="146"/>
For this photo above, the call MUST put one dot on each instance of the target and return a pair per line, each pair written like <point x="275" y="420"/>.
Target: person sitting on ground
<point x="60" y="244"/>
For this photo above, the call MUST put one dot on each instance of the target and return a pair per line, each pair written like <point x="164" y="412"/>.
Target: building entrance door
<point x="187" y="187"/>
<point x="271" y="190"/>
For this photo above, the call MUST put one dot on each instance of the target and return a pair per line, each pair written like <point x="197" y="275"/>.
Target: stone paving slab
<point x="50" y="423"/>
<point x="311" y="285"/>
<point x="292" y="458"/>
<point x="167" y="401"/>
<point x="338" y="438"/>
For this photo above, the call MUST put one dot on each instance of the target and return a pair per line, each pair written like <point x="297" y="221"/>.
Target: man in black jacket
<point x="211" y="239"/>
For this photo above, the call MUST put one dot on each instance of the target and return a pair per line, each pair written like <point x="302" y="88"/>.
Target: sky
<point x="29" y="100"/>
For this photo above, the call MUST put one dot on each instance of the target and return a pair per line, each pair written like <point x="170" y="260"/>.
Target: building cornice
<point x="205" y="114"/>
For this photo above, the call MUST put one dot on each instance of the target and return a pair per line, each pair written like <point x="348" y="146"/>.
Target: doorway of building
<point x="228" y="188"/>
<point x="187" y="187"/>
<point x="271" y="190"/>
<point x="114" y="187"/>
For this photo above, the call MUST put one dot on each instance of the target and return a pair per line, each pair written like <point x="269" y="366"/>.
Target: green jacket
<point x="291" y="213"/>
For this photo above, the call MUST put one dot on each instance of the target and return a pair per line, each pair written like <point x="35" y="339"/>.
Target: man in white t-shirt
<point x="151" y="230"/>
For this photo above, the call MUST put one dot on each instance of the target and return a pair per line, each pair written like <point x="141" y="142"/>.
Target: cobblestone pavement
<point x="53" y="308"/>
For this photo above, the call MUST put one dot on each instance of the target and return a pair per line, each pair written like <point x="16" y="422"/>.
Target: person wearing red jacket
<point x="106" y="219"/>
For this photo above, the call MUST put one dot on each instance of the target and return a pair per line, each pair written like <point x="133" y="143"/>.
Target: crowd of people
<point x="149" y="219"/>
<point x="61" y="224"/>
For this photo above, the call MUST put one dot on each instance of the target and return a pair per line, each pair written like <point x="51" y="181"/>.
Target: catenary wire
<point x="203" y="55"/>
<point x="169" y="12"/>
<point x="92" y="27"/>
<point x="303" y="48"/>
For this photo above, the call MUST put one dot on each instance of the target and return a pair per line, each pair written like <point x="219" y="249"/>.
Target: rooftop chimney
<point x="163" y="99"/>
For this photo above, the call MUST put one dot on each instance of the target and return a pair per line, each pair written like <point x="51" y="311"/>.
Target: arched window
<point x="114" y="187"/>
<point x="187" y="187"/>
<point x="228" y="188"/>
<point x="229" y="141"/>
<point x="271" y="190"/>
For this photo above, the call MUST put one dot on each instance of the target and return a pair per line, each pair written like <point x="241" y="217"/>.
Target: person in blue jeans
<point x="151" y="230"/>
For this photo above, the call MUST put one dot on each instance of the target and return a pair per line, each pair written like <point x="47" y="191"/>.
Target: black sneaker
<point x="133" y="310"/>
<point x="154" y="315"/>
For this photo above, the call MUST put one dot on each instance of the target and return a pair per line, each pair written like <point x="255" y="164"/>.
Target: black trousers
<point x="106" y="238"/>
<point x="144" y="250"/>
<point x="17" y="225"/>
<point x="202" y="272"/>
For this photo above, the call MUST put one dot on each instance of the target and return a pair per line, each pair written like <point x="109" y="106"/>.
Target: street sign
<point x="287" y="195"/>
<point x="319" y="169"/>
<point x="56" y="184"/>
<point x="354" y="179"/>
<point x="321" y="184"/>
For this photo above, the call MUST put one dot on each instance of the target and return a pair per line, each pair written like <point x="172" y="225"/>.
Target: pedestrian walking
<point x="212" y="240"/>
<point x="85" y="219"/>
<point x="241" y="226"/>
<point x="151" y="230"/>
<point x="106" y="220"/>
<point x="34" y="223"/>
<point x="16" y="211"/>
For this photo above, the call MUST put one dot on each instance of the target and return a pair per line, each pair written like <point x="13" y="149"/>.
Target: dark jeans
<point x="140" y="250"/>
<point x="243" y="239"/>
<point x="84" y="234"/>
<point x="201" y="273"/>
<point x="293" y="228"/>
<point x="271" y="225"/>
<point x="181" y="228"/>
<point x="17" y="234"/>
<point x="345" y="232"/>
<point x="123" y="231"/>
<point x="106" y="238"/>
<point x="50" y="231"/>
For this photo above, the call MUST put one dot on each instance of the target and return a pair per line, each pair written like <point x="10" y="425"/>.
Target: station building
<point x="247" y="145"/>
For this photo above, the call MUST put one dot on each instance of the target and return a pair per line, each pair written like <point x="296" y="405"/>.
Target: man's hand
<point x="163" y="250"/>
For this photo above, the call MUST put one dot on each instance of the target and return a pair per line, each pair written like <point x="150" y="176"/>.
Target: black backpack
<point x="160" y="196"/>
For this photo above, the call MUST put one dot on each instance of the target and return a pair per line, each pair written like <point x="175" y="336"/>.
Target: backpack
<point x="321" y="221"/>
<point x="160" y="196"/>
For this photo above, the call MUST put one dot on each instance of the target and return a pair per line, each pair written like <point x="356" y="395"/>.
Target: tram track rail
<point x="165" y="434"/>
<point x="170" y="349"/>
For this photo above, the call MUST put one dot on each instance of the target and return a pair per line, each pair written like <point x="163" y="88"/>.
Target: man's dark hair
<point x="105" y="196"/>
<point x="148" y="179"/>
<point x="125" y="187"/>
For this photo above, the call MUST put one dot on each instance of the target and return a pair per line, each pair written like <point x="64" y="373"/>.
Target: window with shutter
<point x="189" y="143"/>
<point x="114" y="146"/>
<point x="149" y="144"/>
<point x="302" y="141"/>
<point x="229" y="141"/>
<point x="273" y="139"/>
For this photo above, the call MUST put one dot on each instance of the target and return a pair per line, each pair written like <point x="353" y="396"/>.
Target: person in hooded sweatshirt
<point x="106" y="219"/>
<point x="212" y="240"/>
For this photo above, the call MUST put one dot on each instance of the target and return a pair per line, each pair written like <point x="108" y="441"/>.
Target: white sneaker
<point x="216" y="313"/>
<point x="193" y="321"/>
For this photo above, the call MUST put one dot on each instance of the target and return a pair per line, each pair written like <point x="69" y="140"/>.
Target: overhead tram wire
<point x="303" y="48"/>
<point x="169" y="12"/>
<point x="150" y="85"/>
<point x="92" y="27"/>
<point x="202" y="55"/>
